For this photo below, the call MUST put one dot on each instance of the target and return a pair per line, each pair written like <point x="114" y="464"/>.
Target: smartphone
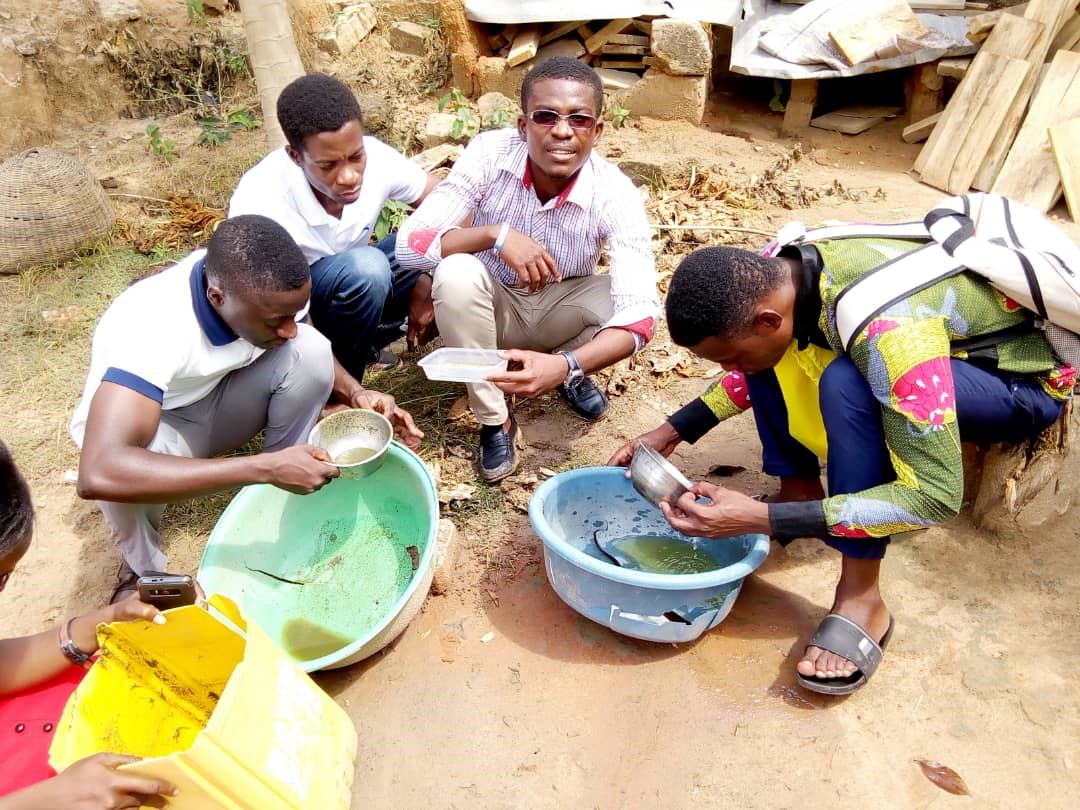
<point x="165" y="591"/>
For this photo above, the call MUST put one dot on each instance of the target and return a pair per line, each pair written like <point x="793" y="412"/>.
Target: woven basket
<point x="50" y="205"/>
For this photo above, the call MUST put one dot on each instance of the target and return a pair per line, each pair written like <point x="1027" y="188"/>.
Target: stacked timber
<point x="1013" y="125"/>
<point x="615" y="44"/>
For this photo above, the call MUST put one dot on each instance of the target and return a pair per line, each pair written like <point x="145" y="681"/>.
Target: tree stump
<point x="1024" y="485"/>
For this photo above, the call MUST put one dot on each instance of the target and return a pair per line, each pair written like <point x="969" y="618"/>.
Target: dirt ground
<point x="554" y="711"/>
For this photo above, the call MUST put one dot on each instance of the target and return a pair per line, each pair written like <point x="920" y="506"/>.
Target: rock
<point x="561" y="47"/>
<point x="353" y="24"/>
<point x="642" y="172"/>
<point x="436" y="156"/>
<point x="493" y="101"/>
<point x="445" y="557"/>
<point x="681" y="47"/>
<point x="409" y="37"/>
<point x="216" y="7"/>
<point x="617" y="79"/>
<point x="439" y="129"/>
<point x="493" y="74"/>
<point x="117" y="11"/>
<point x="659" y="95"/>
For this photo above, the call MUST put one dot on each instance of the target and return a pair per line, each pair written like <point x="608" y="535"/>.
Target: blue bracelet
<point x="503" y="231"/>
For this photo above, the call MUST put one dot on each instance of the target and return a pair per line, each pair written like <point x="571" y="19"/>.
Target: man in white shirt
<point x="195" y="361"/>
<point x="511" y="241"/>
<point x="326" y="188"/>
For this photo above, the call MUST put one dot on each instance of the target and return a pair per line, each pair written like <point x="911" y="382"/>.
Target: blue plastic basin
<point x="335" y="575"/>
<point x="568" y="508"/>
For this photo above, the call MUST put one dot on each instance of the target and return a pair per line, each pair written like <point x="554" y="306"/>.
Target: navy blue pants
<point x="359" y="300"/>
<point x="990" y="406"/>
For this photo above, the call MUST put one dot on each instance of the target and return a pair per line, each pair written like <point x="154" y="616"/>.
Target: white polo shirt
<point x="161" y="338"/>
<point x="276" y="187"/>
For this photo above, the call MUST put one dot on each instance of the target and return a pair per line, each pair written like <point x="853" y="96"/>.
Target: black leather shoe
<point x="585" y="397"/>
<point x="498" y="456"/>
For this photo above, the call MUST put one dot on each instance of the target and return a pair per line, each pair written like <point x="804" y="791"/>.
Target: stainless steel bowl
<point x="655" y="478"/>
<point x="357" y="440"/>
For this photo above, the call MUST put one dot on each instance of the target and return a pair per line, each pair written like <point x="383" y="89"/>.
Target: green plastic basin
<point x="333" y="576"/>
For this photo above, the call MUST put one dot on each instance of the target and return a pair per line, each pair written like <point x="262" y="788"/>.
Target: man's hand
<point x="663" y="439"/>
<point x="422" y="326"/>
<point x="401" y="420"/>
<point x="95" y="784"/>
<point x="133" y="609"/>
<point x="533" y="264"/>
<point x="727" y="514"/>
<point x="539" y="373"/>
<point x="301" y="469"/>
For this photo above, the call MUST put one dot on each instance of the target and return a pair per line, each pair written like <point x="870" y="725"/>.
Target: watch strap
<point x="575" y="371"/>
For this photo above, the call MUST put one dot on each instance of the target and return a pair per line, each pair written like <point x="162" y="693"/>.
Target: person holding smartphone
<point x="39" y="672"/>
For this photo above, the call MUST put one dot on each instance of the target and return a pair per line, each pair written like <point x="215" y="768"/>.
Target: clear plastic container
<point x="462" y="365"/>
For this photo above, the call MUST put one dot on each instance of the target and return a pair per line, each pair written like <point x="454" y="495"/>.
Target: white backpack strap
<point x="795" y="233"/>
<point x="888" y="284"/>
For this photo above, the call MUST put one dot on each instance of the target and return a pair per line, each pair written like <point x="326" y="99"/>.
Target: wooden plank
<point x="560" y="30"/>
<point x="924" y="89"/>
<point x="621" y="64"/>
<point x="1068" y="36"/>
<point x="626" y="50"/>
<point x="862" y="38"/>
<point x="980" y="26"/>
<point x="1051" y="13"/>
<point x="800" y="106"/>
<point x="628" y="39"/>
<point x="920" y="130"/>
<point x="644" y="26"/>
<point x="1029" y="174"/>
<point x="597" y="41"/>
<point x="958" y="142"/>
<point x="852" y="121"/>
<point x="953" y="67"/>
<point x="524" y="46"/>
<point x="1065" y="140"/>
<point x="1012" y="38"/>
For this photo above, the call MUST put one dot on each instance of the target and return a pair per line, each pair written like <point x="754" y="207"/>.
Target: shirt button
<point x="47" y="727"/>
<point x="20" y="728"/>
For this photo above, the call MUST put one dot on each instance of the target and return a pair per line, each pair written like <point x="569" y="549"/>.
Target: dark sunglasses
<point x="549" y="118"/>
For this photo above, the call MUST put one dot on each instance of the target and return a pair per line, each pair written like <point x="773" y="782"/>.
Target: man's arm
<point x="432" y="181"/>
<point x="541" y="372"/>
<point x="348" y="390"/>
<point x="116" y="466"/>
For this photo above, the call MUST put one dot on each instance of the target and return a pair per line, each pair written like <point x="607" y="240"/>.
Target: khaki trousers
<point x="473" y="310"/>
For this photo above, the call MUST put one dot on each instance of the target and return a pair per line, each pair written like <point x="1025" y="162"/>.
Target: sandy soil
<point x="555" y="711"/>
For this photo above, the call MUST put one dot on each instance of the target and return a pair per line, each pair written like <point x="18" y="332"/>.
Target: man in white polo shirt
<point x="195" y="361"/>
<point x="326" y="188"/>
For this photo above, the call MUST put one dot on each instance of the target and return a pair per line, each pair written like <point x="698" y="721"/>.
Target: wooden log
<point x="1029" y="174"/>
<point x="953" y="67"/>
<point x="862" y="38"/>
<point x="920" y="130"/>
<point x="959" y="141"/>
<point x="524" y="46"/>
<point x="925" y="88"/>
<point x="1052" y="14"/>
<point x="597" y="41"/>
<point x="560" y="30"/>
<point x="1065" y="140"/>
<point x="800" y="106"/>
<point x="1012" y="38"/>
<point x="980" y="26"/>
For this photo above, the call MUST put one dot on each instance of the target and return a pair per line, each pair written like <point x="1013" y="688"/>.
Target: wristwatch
<point x="575" y="372"/>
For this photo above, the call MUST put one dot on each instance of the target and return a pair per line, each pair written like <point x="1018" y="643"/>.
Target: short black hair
<point x="16" y="509"/>
<point x="562" y="67"/>
<point x="313" y="104"/>
<point x="714" y="290"/>
<point x="253" y="252"/>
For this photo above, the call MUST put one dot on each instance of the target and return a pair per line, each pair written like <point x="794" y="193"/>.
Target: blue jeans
<point x="359" y="300"/>
<point x="990" y="406"/>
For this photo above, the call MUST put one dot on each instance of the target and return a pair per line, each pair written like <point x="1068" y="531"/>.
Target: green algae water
<point x="664" y="555"/>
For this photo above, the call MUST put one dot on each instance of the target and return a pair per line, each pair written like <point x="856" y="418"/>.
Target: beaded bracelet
<point x="68" y="648"/>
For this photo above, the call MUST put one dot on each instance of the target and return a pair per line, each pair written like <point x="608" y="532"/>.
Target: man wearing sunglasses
<point x="509" y="245"/>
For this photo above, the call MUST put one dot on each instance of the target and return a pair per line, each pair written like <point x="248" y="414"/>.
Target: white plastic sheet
<point x="725" y="12"/>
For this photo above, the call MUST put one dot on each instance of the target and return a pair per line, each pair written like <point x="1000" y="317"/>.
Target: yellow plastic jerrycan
<point x="227" y="718"/>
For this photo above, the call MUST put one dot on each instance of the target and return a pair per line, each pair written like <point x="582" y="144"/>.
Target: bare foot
<point x="858" y="599"/>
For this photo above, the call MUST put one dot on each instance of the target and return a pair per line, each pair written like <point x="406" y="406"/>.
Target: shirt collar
<point x="807" y="296"/>
<point x="215" y="329"/>
<point x="578" y="191"/>
<point x="303" y="194"/>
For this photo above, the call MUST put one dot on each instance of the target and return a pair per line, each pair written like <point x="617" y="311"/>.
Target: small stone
<point x="215" y="7"/>
<point x="613" y="79"/>
<point x="445" y="557"/>
<point x="569" y="46"/>
<point x="491" y="102"/>
<point x="681" y="47"/>
<point x="439" y="129"/>
<point x="494" y="74"/>
<point x="437" y="156"/>
<point x="659" y="95"/>
<point x="353" y="24"/>
<point x="117" y="11"/>
<point x="409" y="37"/>
<point x="641" y="171"/>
